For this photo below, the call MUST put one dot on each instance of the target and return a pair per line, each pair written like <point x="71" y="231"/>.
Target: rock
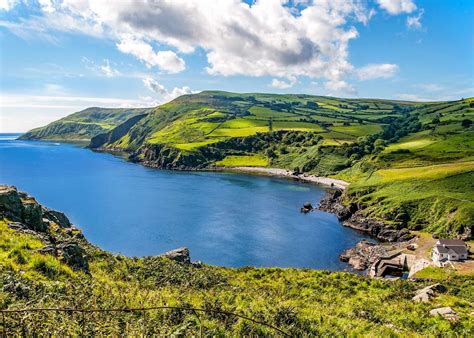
<point x="363" y="255"/>
<point x="47" y="250"/>
<point x="424" y="295"/>
<point x="307" y="207"/>
<point x="353" y="217"/>
<point x="57" y="217"/>
<point x="446" y="312"/>
<point x="74" y="255"/>
<point x="179" y="255"/>
<point x="33" y="215"/>
<point x="19" y="207"/>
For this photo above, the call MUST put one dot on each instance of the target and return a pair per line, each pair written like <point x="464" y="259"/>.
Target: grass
<point x="248" y="161"/>
<point x="299" y="301"/>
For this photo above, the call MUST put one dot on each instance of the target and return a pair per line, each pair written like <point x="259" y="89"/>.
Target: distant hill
<point x="83" y="125"/>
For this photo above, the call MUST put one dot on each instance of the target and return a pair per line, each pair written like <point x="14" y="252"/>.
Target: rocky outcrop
<point x="166" y="157"/>
<point x="61" y="238"/>
<point x="363" y="255"/>
<point x="73" y="255"/>
<point x="307" y="207"/>
<point x="445" y="312"/>
<point x="352" y="216"/>
<point x="424" y="295"/>
<point x="179" y="255"/>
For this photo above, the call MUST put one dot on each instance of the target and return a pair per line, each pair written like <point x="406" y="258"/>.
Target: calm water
<point x="225" y="219"/>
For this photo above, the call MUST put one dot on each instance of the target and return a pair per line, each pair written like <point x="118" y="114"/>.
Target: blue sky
<point x="58" y="57"/>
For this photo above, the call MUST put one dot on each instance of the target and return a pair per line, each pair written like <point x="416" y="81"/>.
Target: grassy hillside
<point x="424" y="180"/>
<point x="298" y="301"/>
<point x="84" y="125"/>
<point x="409" y="163"/>
<point x="193" y="121"/>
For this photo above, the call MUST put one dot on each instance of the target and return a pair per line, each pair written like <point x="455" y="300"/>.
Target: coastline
<point x="325" y="181"/>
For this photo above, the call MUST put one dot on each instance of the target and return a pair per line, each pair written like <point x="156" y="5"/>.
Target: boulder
<point x="307" y="207"/>
<point x="179" y="255"/>
<point x="73" y="255"/>
<point x="446" y="312"/>
<point x="424" y="295"/>
<point x="57" y="217"/>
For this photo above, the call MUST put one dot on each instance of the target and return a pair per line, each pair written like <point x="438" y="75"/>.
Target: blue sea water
<point x="225" y="219"/>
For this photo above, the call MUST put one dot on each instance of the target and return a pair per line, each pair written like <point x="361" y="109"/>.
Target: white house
<point x="449" y="250"/>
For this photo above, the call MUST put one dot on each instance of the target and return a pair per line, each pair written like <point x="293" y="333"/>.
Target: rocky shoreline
<point x="353" y="217"/>
<point x="364" y="254"/>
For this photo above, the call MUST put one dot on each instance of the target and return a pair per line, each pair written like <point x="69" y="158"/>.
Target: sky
<point x="61" y="56"/>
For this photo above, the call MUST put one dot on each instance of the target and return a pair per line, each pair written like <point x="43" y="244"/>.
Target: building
<point x="446" y="250"/>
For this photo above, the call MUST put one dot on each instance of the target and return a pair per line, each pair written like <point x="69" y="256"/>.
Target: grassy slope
<point x="296" y="300"/>
<point x="423" y="180"/>
<point x="84" y="125"/>
<point x="192" y="121"/>
<point x="426" y="179"/>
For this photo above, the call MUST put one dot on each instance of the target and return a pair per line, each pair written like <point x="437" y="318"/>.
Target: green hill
<point x="83" y="125"/>
<point x="410" y="164"/>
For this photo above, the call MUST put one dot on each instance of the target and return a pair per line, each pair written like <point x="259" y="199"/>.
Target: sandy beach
<point x="326" y="181"/>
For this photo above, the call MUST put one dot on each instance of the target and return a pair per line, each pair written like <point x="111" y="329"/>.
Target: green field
<point x="243" y="160"/>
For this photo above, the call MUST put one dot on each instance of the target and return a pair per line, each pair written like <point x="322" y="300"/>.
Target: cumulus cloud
<point x="6" y="5"/>
<point x="395" y="7"/>
<point x="281" y="84"/>
<point x="277" y="38"/>
<point x="158" y="88"/>
<point x="46" y="6"/>
<point x="154" y="86"/>
<point x="377" y="71"/>
<point x="165" y="60"/>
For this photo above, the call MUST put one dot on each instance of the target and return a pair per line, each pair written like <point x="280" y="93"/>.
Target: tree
<point x="466" y="123"/>
<point x="270" y="124"/>
<point x="270" y="153"/>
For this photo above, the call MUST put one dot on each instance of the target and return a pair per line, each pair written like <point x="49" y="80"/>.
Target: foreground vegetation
<point x="298" y="301"/>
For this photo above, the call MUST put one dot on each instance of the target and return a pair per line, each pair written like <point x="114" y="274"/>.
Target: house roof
<point x="452" y="242"/>
<point x="444" y="249"/>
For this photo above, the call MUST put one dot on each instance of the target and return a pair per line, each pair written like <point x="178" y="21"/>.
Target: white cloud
<point x="107" y="70"/>
<point x="395" y="7"/>
<point x="432" y="87"/>
<point x="377" y="71"/>
<point x="46" y="6"/>
<point x="274" y="38"/>
<point x="414" y="22"/>
<point x="165" y="60"/>
<point x="340" y="86"/>
<point x="166" y="95"/>
<point x="267" y="38"/>
<point x="281" y="84"/>
<point x="7" y="5"/>
<point x="154" y="86"/>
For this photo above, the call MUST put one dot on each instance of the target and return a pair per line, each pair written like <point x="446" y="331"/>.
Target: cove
<point x="226" y="219"/>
